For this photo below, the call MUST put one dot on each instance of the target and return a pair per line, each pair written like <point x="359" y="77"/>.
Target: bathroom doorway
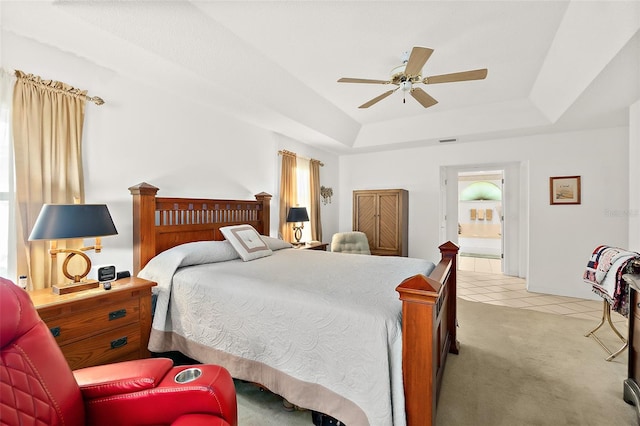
<point x="480" y="229"/>
<point x="511" y="216"/>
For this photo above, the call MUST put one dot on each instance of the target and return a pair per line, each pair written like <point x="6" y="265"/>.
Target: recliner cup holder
<point x="188" y="375"/>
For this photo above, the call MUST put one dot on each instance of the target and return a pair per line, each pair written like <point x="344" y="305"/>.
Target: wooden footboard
<point x="428" y="335"/>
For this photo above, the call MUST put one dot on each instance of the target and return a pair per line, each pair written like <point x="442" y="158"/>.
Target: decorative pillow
<point x="276" y="243"/>
<point x="247" y="242"/>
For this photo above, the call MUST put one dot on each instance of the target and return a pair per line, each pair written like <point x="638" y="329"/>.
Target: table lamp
<point x="298" y="215"/>
<point x="73" y="221"/>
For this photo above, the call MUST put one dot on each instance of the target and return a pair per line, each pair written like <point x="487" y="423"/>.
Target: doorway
<point x="510" y="217"/>
<point x="480" y="228"/>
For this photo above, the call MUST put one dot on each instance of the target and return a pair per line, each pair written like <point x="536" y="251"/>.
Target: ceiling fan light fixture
<point x="405" y="86"/>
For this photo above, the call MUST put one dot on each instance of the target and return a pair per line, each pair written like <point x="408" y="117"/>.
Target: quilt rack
<point x="611" y="260"/>
<point x="606" y="318"/>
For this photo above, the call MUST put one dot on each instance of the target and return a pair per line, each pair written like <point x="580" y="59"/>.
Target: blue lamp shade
<point x="298" y="214"/>
<point x="66" y="221"/>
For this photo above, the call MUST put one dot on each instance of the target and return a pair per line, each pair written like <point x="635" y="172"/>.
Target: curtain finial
<point x="96" y="100"/>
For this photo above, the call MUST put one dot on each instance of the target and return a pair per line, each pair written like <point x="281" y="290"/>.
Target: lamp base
<point x="74" y="287"/>
<point x="297" y="231"/>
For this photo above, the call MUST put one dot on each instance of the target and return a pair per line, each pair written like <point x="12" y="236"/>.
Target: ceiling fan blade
<point x="377" y="99"/>
<point x="423" y="97"/>
<point x="456" y="76"/>
<point x="419" y="57"/>
<point x="362" y="80"/>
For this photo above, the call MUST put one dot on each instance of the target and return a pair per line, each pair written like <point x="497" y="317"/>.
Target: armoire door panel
<point x="364" y="218"/>
<point x="388" y="216"/>
<point x="388" y="239"/>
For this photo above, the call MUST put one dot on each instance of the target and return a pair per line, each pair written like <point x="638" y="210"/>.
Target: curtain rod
<point x="59" y="86"/>
<point x="285" y="152"/>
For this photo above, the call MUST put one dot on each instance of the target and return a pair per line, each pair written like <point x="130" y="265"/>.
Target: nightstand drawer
<point x="82" y="324"/>
<point x="95" y="326"/>
<point x="114" y="345"/>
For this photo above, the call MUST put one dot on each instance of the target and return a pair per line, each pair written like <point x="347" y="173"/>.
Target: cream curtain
<point x="314" y="196"/>
<point x="47" y="120"/>
<point x="288" y="193"/>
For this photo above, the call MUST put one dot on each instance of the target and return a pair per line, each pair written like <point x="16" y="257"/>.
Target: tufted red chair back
<point x="37" y="386"/>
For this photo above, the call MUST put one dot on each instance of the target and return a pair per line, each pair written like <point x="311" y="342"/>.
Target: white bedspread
<point x="328" y="319"/>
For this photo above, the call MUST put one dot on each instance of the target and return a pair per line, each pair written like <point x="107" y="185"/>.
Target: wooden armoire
<point x="383" y="216"/>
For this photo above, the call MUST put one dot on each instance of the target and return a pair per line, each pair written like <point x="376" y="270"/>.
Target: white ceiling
<point x="553" y="65"/>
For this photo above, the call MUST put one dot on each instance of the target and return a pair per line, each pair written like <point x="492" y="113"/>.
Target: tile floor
<point x="480" y="280"/>
<point x="477" y="264"/>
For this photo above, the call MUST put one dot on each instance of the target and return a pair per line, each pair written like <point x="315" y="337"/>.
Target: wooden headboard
<point x="160" y="223"/>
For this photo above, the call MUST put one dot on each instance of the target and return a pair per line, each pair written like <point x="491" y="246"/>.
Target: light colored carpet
<point x="257" y="407"/>
<point x="515" y="367"/>
<point x="521" y="367"/>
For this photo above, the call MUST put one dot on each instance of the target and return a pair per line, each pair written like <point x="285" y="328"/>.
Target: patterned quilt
<point x="321" y="329"/>
<point x="604" y="272"/>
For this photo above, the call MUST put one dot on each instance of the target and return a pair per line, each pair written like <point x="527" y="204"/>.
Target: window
<point x="6" y="180"/>
<point x="296" y="176"/>
<point x="304" y="197"/>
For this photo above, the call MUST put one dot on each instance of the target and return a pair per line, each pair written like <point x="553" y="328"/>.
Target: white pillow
<point x="247" y="242"/>
<point x="199" y="252"/>
<point x="276" y="243"/>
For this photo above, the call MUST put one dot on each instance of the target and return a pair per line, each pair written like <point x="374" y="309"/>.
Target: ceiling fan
<point x="407" y="75"/>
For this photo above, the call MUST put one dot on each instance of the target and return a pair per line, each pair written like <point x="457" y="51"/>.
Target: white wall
<point x="176" y="144"/>
<point x="634" y="177"/>
<point x="561" y="238"/>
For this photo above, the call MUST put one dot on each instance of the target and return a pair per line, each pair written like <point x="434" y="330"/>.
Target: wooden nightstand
<point x="99" y="326"/>
<point x="313" y="246"/>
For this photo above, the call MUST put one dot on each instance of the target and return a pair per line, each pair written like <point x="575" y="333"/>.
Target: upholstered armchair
<point x="37" y="386"/>
<point x="350" y="242"/>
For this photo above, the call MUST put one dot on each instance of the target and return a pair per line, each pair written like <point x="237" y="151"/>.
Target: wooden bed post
<point x="428" y="334"/>
<point x="265" y="199"/>
<point x="144" y="206"/>
<point x="419" y="296"/>
<point x="449" y="250"/>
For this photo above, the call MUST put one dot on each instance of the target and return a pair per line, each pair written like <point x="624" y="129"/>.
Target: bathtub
<point x="481" y="238"/>
<point x="480" y="245"/>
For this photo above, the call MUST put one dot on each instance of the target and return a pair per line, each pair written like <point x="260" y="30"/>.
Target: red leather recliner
<point x="37" y="387"/>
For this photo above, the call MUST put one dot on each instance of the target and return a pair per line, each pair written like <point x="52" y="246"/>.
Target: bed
<point x="361" y="338"/>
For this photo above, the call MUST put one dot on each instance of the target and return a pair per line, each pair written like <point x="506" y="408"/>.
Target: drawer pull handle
<point x="117" y="314"/>
<point x="55" y="331"/>
<point x="118" y="343"/>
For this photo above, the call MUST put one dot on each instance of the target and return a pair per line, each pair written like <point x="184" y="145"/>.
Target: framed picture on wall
<point x="564" y="190"/>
